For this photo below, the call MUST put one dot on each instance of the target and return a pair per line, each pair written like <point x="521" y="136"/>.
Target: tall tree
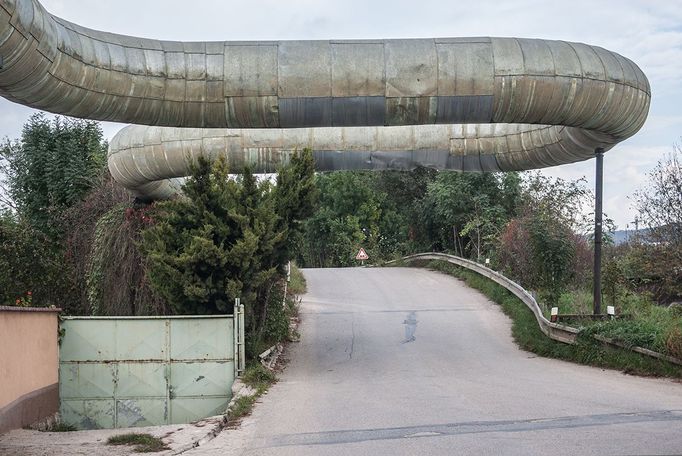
<point x="296" y="197"/>
<point x="659" y="203"/>
<point x="540" y="246"/>
<point x="465" y="212"/>
<point x="52" y="167"/>
<point x="227" y="238"/>
<point x="352" y="213"/>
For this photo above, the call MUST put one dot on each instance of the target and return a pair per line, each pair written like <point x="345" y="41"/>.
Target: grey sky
<point x="647" y="31"/>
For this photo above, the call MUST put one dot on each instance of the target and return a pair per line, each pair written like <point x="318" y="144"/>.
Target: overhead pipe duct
<point x="554" y="102"/>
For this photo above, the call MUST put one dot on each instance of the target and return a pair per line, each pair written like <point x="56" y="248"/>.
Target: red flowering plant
<point x="25" y="300"/>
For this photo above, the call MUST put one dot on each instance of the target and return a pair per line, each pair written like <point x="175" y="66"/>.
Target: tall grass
<point x="641" y="322"/>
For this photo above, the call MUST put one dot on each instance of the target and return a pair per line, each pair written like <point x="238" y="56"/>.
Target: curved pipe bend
<point x="585" y="96"/>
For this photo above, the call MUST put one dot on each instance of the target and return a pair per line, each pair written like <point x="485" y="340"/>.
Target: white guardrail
<point x="561" y="333"/>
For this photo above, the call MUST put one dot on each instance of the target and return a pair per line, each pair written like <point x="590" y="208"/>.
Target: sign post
<point x="362" y="256"/>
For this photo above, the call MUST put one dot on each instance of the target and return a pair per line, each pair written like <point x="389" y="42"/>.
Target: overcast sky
<point x="646" y="31"/>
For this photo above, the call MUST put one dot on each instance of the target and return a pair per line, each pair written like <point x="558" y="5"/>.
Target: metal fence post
<point x="235" y="336"/>
<point x="242" y="348"/>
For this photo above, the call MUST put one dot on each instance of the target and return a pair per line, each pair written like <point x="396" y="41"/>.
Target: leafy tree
<point x="52" y="167"/>
<point x="28" y="265"/>
<point x="552" y="252"/>
<point x="352" y="213"/>
<point x="403" y="191"/>
<point x="659" y="204"/>
<point x="541" y="247"/>
<point x="466" y="211"/>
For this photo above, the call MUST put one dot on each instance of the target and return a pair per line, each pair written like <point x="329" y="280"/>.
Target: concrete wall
<point x="29" y="357"/>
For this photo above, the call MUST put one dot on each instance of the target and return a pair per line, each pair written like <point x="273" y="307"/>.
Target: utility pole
<point x="599" y="195"/>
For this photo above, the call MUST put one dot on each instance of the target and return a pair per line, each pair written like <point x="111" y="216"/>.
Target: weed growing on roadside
<point x="258" y="377"/>
<point x="61" y="427"/>
<point x="145" y="443"/>
<point x="241" y="407"/>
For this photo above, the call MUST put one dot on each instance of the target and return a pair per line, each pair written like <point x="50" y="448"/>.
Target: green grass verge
<point x="145" y="443"/>
<point x="297" y="284"/>
<point x="643" y="323"/>
<point x="528" y="336"/>
<point x="260" y="379"/>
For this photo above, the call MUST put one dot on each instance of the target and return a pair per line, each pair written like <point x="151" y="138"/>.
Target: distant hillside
<point x="622" y="236"/>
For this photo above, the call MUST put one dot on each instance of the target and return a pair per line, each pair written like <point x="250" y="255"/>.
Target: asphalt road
<point x="367" y="380"/>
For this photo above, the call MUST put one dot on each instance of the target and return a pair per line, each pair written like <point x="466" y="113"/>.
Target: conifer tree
<point x="227" y="238"/>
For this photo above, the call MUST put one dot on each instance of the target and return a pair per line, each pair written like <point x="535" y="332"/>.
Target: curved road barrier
<point x="561" y="333"/>
<point x="528" y="103"/>
<point x="555" y="331"/>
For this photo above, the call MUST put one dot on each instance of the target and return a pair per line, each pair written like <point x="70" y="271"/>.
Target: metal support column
<point x="599" y="195"/>
<point x="239" y="348"/>
<point x="236" y="332"/>
<point x="242" y="346"/>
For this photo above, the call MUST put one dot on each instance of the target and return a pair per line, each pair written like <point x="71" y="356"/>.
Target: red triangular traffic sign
<point x="362" y="255"/>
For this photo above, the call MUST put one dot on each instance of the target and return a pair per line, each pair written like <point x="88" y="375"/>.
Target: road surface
<point x="402" y="361"/>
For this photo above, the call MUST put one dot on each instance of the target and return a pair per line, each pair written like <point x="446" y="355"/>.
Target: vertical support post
<point x="242" y="348"/>
<point x="236" y="332"/>
<point x="599" y="195"/>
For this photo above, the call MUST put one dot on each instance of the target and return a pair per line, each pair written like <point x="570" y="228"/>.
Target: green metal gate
<point x="140" y="371"/>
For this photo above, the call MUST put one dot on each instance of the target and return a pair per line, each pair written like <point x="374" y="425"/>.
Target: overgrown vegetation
<point x="227" y="239"/>
<point x="71" y="237"/>
<point x="392" y="213"/>
<point x="241" y="407"/>
<point x="49" y="170"/>
<point x="653" y="260"/>
<point x="528" y="336"/>
<point x="260" y="380"/>
<point x="144" y="443"/>
<point x="528" y="225"/>
<point x="640" y="322"/>
<point x="642" y="277"/>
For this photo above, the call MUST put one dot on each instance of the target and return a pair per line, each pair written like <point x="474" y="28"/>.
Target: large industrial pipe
<point x="564" y="99"/>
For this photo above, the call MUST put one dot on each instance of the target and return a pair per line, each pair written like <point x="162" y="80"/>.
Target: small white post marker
<point x="554" y="315"/>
